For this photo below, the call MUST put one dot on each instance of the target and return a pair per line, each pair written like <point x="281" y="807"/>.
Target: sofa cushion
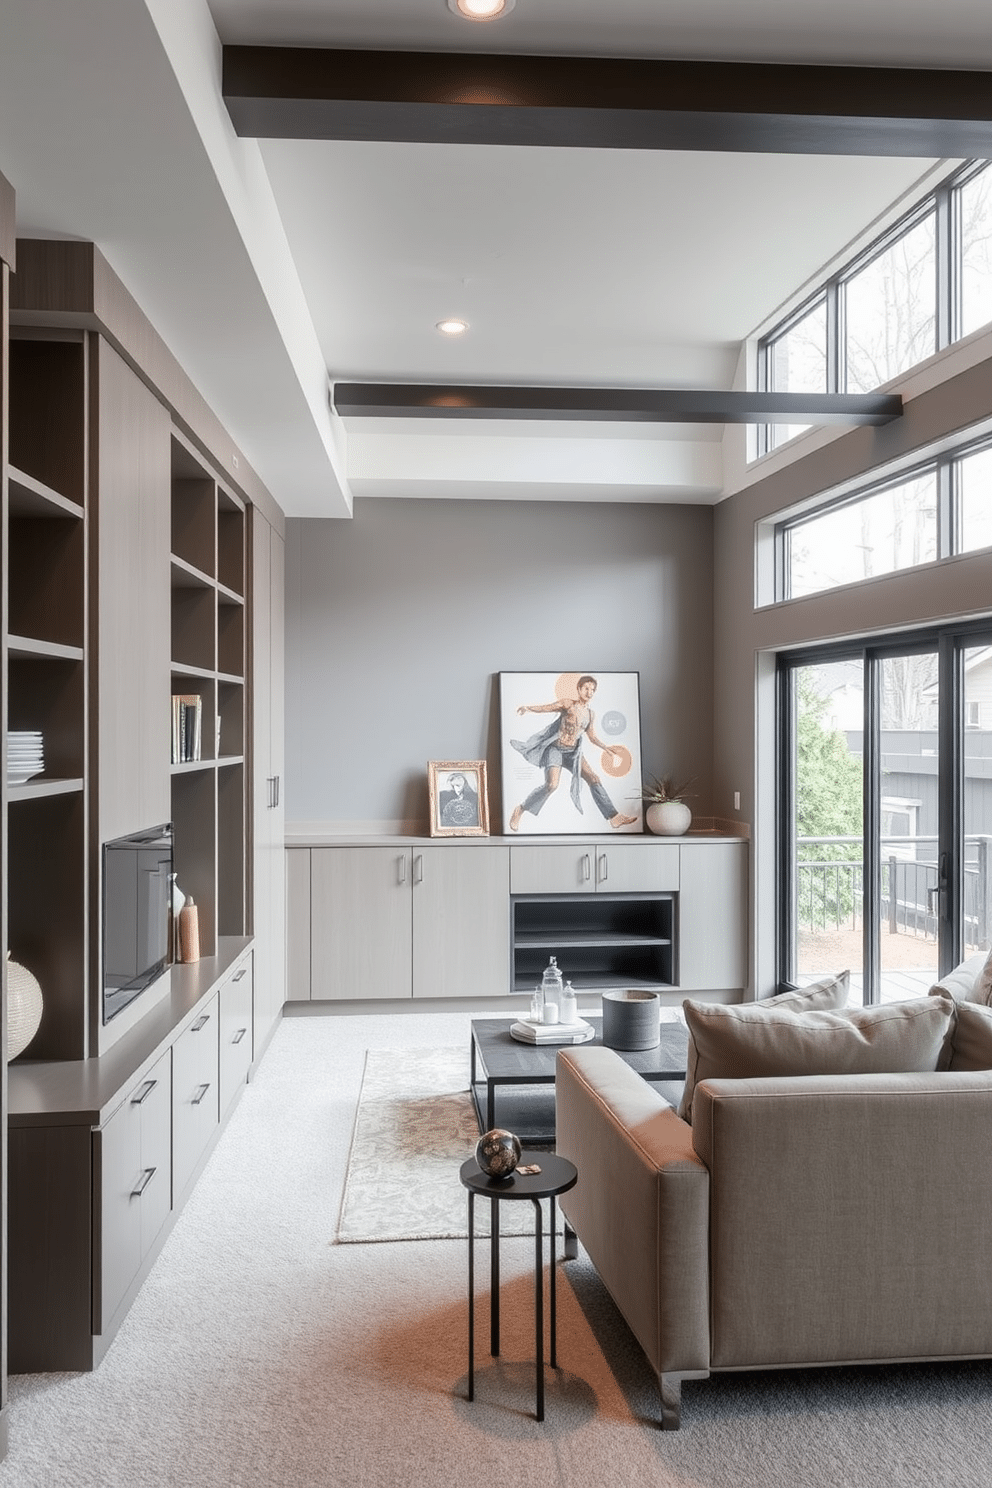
<point x="962" y="983"/>
<point x="747" y="1040"/>
<point x="983" y="986"/>
<point x="971" y="1037"/>
<point x="829" y="994"/>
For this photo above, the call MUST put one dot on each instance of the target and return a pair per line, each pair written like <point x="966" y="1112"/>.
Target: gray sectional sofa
<point x="801" y="1220"/>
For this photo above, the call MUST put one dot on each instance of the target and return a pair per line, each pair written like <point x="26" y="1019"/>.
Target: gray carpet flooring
<point x="259" y="1352"/>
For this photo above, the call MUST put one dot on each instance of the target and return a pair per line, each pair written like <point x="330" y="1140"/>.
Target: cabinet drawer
<point x="195" y="1095"/>
<point x="133" y="1170"/>
<point x="553" y="870"/>
<point x="235" y="1033"/>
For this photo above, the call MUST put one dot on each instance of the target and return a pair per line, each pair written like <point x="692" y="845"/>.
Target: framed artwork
<point x="570" y="753"/>
<point x="459" y="800"/>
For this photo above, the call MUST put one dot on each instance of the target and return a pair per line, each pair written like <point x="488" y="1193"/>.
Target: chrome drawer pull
<point x="143" y="1093"/>
<point x="146" y="1177"/>
<point x="201" y="1022"/>
<point x="239" y="1035"/>
<point x="239" y="974"/>
<point x="200" y="1093"/>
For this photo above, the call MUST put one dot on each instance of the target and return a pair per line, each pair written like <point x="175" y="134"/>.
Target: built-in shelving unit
<point x="47" y="619"/>
<point x="601" y="941"/>
<point x="209" y="661"/>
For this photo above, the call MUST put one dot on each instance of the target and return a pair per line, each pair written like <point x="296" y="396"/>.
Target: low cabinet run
<point x="390" y="922"/>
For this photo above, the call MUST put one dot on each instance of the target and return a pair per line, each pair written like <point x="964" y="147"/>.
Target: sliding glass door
<point x="886" y="811"/>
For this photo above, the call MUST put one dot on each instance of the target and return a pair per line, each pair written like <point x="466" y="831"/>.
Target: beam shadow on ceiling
<point x="611" y="405"/>
<point x="609" y="103"/>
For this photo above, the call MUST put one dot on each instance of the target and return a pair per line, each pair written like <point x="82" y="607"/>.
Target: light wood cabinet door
<point x="362" y="917"/>
<point x="298" y="924"/>
<point x="461" y="921"/>
<point x="713" y="916"/>
<point x="269" y="868"/>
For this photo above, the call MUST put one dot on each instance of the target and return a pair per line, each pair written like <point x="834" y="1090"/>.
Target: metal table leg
<point x="494" y="1278"/>
<point x="539" y="1307"/>
<point x="471" y="1295"/>
<point x="551" y="1259"/>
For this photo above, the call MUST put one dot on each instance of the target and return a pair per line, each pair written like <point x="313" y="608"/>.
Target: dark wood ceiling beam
<point x="611" y="405"/>
<point x="609" y="103"/>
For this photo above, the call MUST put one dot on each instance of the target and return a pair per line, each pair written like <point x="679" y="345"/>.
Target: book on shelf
<point x="187" y="727"/>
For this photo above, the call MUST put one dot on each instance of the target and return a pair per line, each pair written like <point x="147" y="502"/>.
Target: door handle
<point x="143" y="1093"/>
<point x="586" y="867"/>
<point x="418" y="868"/>
<point x="201" y="1091"/>
<point x="239" y="1035"/>
<point x="602" y="868"/>
<point x="239" y="974"/>
<point x="147" y="1174"/>
<point x="201" y="1022"/>
<point x="401" y="869"/>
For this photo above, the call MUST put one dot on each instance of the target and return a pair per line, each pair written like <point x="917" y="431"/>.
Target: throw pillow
<point x="971" y="1037"/>
<point x="829" y="994"/>
<point x="746" y="1040"/>
<point x="983" y="986"/>
<point x="962" y="984"/>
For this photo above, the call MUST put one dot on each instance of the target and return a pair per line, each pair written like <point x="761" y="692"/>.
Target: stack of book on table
<point x="528" y="1032"/>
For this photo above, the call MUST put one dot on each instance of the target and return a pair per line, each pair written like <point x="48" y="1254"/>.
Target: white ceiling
<point x="269" y="267"/>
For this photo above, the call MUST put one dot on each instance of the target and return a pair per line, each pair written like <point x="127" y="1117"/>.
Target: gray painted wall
<point x="398" y="621"/>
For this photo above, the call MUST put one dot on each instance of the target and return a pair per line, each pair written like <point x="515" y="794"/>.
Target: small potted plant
<point x="666" y="815"/>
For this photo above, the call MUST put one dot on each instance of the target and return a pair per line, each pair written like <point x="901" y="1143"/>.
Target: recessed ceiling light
<point x="481" y="10"/>
<point x="452" y="327"/>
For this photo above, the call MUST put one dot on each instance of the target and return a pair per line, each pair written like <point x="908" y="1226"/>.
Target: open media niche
<point x="601" y="942"/>
<point x="137" y="885"/>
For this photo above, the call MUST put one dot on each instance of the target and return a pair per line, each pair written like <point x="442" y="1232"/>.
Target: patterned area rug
<point x="414" y="1128"/>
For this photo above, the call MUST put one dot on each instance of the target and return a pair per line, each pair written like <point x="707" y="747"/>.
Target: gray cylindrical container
<point x="631" y="1019"/>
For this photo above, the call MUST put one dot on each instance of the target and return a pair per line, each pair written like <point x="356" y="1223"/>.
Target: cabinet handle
<point x="586" y="867"/>
<point x="147" y="1174"/>
<point x="603" y="868"/>
<point x="200" y="1093"/>
<point x="401" y="868"/>
<point x="277" y="780"/>
<point x="272" y="781"/>
<point x="201" y="1022"/>
<point x="239" y="974"/>
<point x="418" y="868"/>
<point x="239" y="1035"/>
<point x="144" y="1093"/>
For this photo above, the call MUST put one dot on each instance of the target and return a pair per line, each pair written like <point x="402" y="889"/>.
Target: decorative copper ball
<point x="497" y="1152"/>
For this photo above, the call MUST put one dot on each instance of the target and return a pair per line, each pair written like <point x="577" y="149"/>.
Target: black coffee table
<point x="513" y="1084"/>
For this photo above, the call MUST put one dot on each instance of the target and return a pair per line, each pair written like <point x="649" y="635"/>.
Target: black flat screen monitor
<point x="136" y="902"/>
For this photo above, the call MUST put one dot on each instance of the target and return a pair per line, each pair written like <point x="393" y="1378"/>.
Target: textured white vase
<point x="668" y="818"/>
<point x="24" y="1007"/>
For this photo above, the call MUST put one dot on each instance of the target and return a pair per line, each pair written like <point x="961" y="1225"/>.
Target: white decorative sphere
<point x="24" y="1007"/>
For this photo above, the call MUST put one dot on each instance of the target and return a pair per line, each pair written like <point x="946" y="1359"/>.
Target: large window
<point x="886" y="811"/>
<point x="938" y="510"/>
<point x="924" y="284"/>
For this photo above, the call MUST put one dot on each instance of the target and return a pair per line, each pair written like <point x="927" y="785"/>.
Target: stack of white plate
<point x="25" y="755"/>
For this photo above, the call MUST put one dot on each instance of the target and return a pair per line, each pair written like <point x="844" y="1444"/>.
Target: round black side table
<point x="556" y="1177"/>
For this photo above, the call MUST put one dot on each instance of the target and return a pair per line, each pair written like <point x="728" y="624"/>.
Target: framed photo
<point x="459" y="800"/>
<point x="570" y="753"/>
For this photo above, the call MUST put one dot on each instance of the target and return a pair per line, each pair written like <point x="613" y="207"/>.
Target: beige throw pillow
<point x="962" y="984"/>
<point x="829" y="994"/>
<point x="983" y="986"/>
<point x="746" y="1040"/>
<point x="971" y="1037"/>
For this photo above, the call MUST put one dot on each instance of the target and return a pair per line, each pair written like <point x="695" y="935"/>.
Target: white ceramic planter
<point x="668" y="818"/>
<point x="24" y="1007"/>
